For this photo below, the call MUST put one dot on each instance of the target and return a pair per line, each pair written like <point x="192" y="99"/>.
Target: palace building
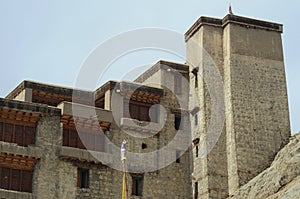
<point x="50" y="148"/>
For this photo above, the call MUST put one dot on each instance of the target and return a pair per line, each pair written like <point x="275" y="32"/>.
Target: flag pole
<point x="123" y="159"/>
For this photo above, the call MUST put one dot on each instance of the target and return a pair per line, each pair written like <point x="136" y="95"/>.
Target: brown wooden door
<point x="15" y="180"/>
<point x="8" y="132"/>
<point x="26" y="184"/>
<point x="19" y="135"/>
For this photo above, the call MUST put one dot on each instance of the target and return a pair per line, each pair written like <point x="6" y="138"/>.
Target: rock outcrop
<point x="280" y="180"/>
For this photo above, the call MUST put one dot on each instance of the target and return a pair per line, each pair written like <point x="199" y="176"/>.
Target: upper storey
<point x="51" y="95"/>
<point x="239" y="20"/>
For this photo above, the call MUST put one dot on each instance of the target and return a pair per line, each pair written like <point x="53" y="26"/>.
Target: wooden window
<point x="177" y="122"/>
<point x="82" y="178"/>
<point x="19" y="135"/>
<point x="81" y="141"/>
<point x="65" y="137"/>
<point x="5" y="177"/>
<point x="29" y="136"/>
<point x="8" y="133"/>
<point x="196" y="190"/>
<point x="99" y="142"/>
<point x="137" y="185"/>
<point x="88" y="139"/>
<point x="139" y="111"/>
<point x="26" y="185"/>
<point x="1" y="131"/>
<point x="15" y="179"/>
<point x="134" y="111"/>
<point x="73" y="138"/>
<point x="144" y="113"/>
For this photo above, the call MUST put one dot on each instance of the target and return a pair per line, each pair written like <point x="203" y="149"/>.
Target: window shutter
<point x="99" y="144"/>
<point x="29" y="136"/>
<point x="1" y="131"/>
<point x="27" y="181"/>
<point x="144" y="113"/>
<point x="65" y="137"/>
<point x="134" y="111"/>
<point x="81" y="140"/>
<point x="5" y="178"/>
<point x="8" y="132"/>
<point x="15" y="181"/>
<point x="19" y="135"/>
<point x="73" y="138"/>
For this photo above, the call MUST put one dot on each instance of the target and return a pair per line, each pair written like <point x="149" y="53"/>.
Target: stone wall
<point x="280" y="180"/>
<point x="205" y="49"/>
<point x="256" y="101"/>
<point x="52" y="177"/>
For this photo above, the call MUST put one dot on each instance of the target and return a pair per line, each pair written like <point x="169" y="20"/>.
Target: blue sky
<point x="47" y="41"/>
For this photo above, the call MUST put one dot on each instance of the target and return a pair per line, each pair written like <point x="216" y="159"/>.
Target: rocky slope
<point x="280" y="180"/>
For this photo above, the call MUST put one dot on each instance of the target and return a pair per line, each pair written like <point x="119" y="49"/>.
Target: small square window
<point x="83" y="178"/>
<point x="144" y="146"/>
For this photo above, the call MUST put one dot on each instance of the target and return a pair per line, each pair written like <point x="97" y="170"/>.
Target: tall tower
<point x="249" y="56"/>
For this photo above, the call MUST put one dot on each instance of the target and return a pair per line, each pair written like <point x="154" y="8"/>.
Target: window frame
<point x="21" y="185"/>
<point x="137" y="184"/>
<point x="83" y="178"/>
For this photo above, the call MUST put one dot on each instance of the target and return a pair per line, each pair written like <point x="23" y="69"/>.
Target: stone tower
<point x="249" y="56"/>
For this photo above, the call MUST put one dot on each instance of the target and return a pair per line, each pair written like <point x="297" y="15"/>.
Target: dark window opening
<point x="196" y="120"/>
<point x="83" y="178"/>
<point x="195" y="73"/>
<point x="197" y="151"/>
<point x="144" y="146"/>
<point x="137" y="185"/>
<point x="20" y="134"/>
<point x="196" y="190"/>
<point x="177" y="122"/>
<point x="177" y="156"/>
<point x="15" y="179"/>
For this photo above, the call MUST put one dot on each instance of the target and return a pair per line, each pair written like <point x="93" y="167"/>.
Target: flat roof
<point x="160" y="65"/>
<point x="230" y="18"/>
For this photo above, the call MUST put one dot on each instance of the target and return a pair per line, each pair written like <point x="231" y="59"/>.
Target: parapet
<point x="235" y="19"/>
